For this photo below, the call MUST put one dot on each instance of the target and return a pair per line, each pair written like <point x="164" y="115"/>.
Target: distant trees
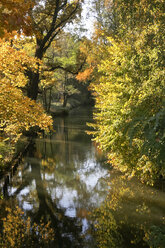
<point x="63" y="60"/>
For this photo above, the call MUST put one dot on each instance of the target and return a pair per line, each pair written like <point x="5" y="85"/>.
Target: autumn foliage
<point x="129" y="89"/>
<point x="21" y="232"/>
<point x="17" y="111"/>
<point x="13" y="16"/>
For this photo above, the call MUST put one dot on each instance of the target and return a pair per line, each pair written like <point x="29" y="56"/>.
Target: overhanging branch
<point x="67" y="69"/>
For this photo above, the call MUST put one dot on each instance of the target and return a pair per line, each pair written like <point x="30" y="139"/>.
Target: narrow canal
<point x="63" y="178"/>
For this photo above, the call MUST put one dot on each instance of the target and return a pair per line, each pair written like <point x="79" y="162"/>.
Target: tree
<point x="129" y="91"/>
<point x="65" y="59"/>
<point x="17" y="112"/>
<point x="105" y="16"/>
<point x="48" y="18"/>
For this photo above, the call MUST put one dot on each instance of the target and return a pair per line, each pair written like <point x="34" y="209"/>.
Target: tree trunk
<point x="34" y="76"/>
<point x="33" y="85"/>
<point x="65" y="98"/>
<point x="50" y="99"/>
<point x="44" y="98"/>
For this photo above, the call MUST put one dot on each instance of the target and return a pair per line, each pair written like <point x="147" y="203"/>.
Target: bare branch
<point x="52" y="28"/>
<point x="61" y="24"/>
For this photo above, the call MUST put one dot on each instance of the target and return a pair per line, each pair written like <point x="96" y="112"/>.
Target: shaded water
<point x="63" y="177"/>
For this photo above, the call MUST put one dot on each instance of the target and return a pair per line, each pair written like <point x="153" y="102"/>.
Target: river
<point x="64" y="178"/>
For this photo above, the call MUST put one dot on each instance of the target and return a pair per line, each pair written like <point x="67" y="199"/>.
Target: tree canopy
<point x="48" y="19"/>
<point x="17" y="111"/>
<point x="129" y="88"/>
<point x="13" y="16"/>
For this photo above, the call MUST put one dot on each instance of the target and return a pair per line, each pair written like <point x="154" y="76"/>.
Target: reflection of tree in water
<point x="69" y="156"/>
<point x="62" y="164"/>
<point x="64" y="145"/>
<point x="67" y="230"/>
<point x="45" y="200"/>
<point x="72" y="143"/>
<point x="18" y="231"/>
<point x="131" y="216"/>
<point x="52" y="182"/>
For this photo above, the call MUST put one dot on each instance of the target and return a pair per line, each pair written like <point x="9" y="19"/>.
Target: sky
<point x="88" y="18"/>
<point x="86" y="24"/>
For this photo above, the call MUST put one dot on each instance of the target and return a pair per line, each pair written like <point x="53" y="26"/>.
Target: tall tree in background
<point x="48" y="18"/>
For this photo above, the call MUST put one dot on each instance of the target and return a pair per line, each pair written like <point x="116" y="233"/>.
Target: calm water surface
<point x="63" y="177"/>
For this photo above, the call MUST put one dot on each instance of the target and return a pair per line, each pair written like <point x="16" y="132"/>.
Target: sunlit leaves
<point x="83" y="76"/>
<point x="13" y="16"/>
<point x="17" y="112"/>
<point x="130" y="94"/>
<point x="20" y="232"/>
<point x="13" y="63"/>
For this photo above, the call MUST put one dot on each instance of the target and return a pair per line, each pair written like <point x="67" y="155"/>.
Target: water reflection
<point x="61" y="178"/>
<point x="133" y="215"/>
<point x="64" y="179"/>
